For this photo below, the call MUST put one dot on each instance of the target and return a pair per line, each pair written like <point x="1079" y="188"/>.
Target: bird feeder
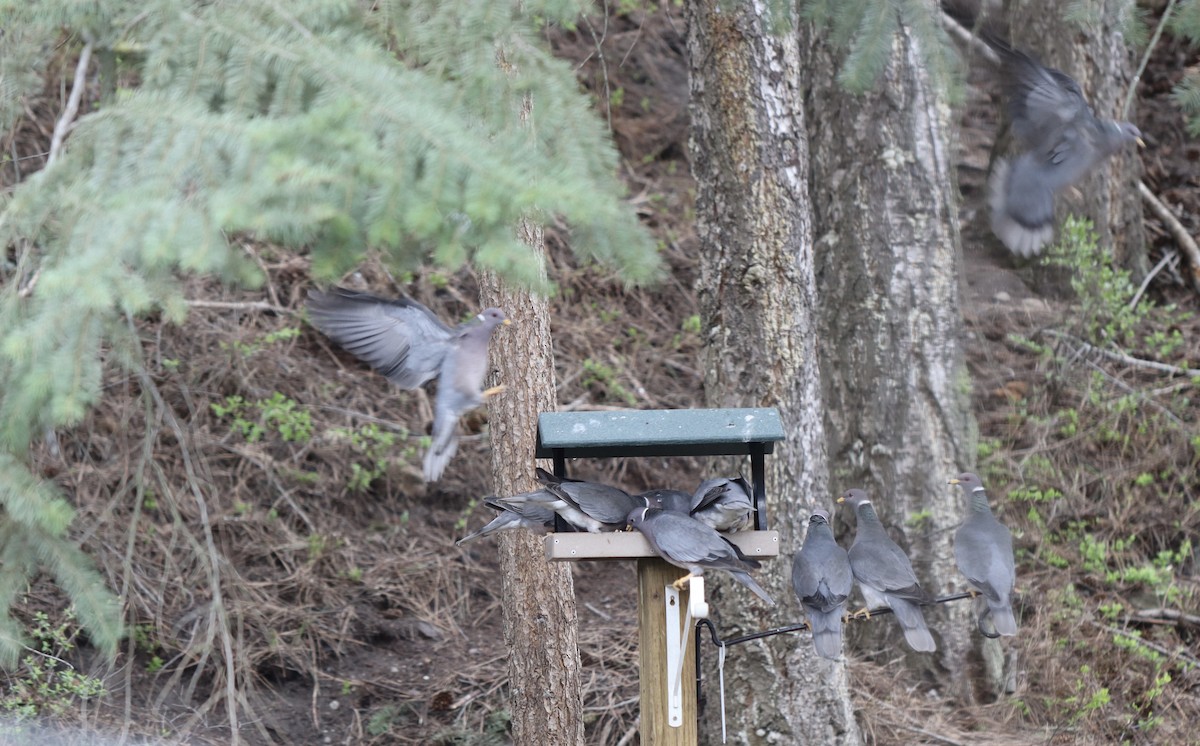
<point x="668" y="708"/>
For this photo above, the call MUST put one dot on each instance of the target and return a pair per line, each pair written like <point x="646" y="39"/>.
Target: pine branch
<point x="290" y="122"/>
<point x="72" y="109"/>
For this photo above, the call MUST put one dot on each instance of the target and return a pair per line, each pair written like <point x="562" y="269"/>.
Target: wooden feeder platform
<point x="665" y="614"/>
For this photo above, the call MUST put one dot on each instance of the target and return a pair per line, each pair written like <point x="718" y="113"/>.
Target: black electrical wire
<point x="718" y="642"/>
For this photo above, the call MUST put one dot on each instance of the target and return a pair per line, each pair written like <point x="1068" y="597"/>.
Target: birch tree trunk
<point x="888" y="265"/>
<point x="540" y="619"/>
<point x="757" y="299"/>
<point x="1083" y="38"/>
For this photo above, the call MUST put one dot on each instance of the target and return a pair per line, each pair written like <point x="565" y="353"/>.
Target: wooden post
<point x="653" y="576"/>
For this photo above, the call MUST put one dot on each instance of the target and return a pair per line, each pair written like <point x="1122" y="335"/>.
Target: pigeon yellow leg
<point x="863" y="613"/>
<point x="682" y="583"/>
<point x="493" y="391"/>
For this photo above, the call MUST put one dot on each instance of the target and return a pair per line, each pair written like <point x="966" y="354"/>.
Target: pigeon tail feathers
<point x="827" y="632"/>
<point x="753" y="585"/>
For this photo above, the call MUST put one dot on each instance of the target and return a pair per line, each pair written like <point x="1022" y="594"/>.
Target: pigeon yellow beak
<point x="953" y="481"/>
<point x="841" y="499"/>
<point x="1141" y="143"/>
<point x="507" y="322"/>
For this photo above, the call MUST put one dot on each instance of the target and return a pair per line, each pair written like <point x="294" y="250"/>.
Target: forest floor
<point x="357" y="620"/>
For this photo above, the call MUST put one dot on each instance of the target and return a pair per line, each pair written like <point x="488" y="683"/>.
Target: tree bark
<point x="1083" y="39"/>
<point x="757" y="299"/>
<point x="888" y="265"/>
<point x="540" y="619"/>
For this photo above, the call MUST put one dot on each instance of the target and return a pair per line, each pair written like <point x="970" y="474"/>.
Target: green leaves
<point x="420" y="131"/>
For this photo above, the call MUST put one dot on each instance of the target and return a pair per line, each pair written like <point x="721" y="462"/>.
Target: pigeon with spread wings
<point x="404" y="341"/>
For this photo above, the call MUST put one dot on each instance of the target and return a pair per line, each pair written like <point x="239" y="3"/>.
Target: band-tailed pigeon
<point x="598" y="503"/>
<point x="528" y="515"/>
<point x="1060" y="139"/>
<point x="587" y="506"/>
<point x="724" y="503"/>
<point x="822" y="579"/>
<point x="885" y="574"/>
<point x="686" y="542"/>
<point x="983" y="551"/>
<point x="404" y="341"/>
<point x="676" y="501"/>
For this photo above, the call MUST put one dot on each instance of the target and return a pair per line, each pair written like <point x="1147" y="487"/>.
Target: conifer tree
<point x="336" y="128"/>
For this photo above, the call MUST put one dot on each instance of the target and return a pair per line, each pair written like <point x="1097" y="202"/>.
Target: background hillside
<point x="357" y="619"/>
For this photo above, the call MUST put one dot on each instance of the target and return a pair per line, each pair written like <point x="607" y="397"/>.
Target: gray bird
<point x="676" y="501"/>
<point x="885" y="574"/>
<point x="587" y="506"/>
<point x="1060" y="140"/>
<point x="983" y="551"/>
<point x="822" y="579"/>
<point x="528" y="515"/>
<point x="404" y="341"/>
<point x="724" y="504"/>
<point x="599" y="504"/>
<point x="686" y="542"/>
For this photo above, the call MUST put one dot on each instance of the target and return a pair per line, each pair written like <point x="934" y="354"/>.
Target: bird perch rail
<point x="722" y="645"/>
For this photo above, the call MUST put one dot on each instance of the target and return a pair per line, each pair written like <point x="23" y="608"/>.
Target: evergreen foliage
<point x="1186" y="23"/>
<point x="867" y="30"/>
<point x="333" y="127"/>
<point x="1125" y="15"/>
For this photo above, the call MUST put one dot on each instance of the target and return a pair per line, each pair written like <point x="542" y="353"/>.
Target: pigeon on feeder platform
<point x="587" y="506"/>
<point x="528" y="515"/>
<point x="404" y="341"/>
<point x="724" y="504"/>
<point x="885" y="574"/>
<point x="822" y="578"/>
<point x="983" y="551"/>
<point x="597" y="502"/>
<point x="686" y="542"/>
<point x="676" y="501"/>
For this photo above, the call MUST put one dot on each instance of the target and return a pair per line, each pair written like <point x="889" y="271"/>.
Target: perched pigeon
<point x="983" y="550"/>
<point x="599" y="503"/>
<point x="686" y="542"/>
<point x="676" y="501"/>
<point x="587" y="506"/>
<point x="1060" y="139"/>
<point x="528" y="515"/>
<point x="725" y="504"/>
<point x="405" y="342"/>
<point x="822" y="578"/>
<point x="885" y="574"/>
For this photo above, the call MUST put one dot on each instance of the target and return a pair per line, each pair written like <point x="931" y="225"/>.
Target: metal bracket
<point x="674" y="658"/>
<point x="677" y="641"/>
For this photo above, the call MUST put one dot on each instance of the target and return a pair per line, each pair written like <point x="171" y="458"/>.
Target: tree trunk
<point x="757" y="299"/>
<point x="888" y="258"/>
<point x="540" y="620"/>
<point x="1083" y="39"/>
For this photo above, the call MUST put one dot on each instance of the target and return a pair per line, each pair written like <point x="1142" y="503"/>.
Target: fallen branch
<point x="1148" y="643"/>
<point x="1137" y="297"/>
<point x="1137" y="76"/>
<point x="1120" y="357"/>
<point x="250" y="305"/>
<point x="1166" y="616"/>
<point x="1186" y="243"/>
<point x="966" y="36"/>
